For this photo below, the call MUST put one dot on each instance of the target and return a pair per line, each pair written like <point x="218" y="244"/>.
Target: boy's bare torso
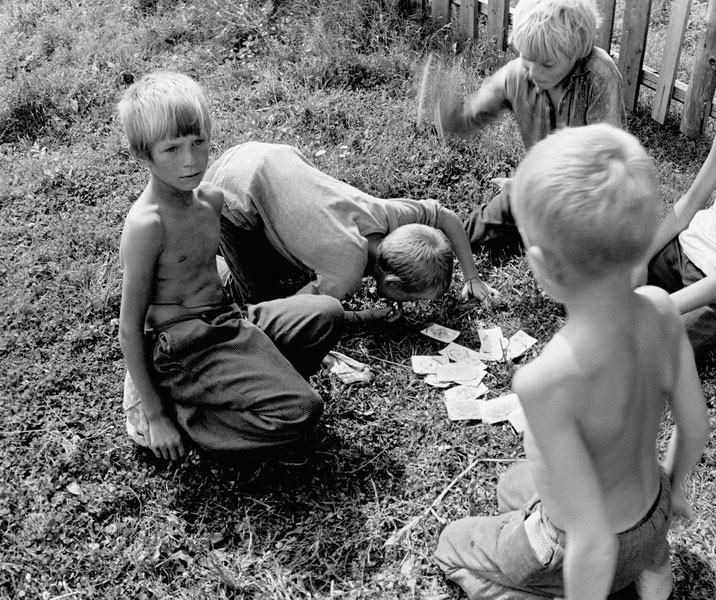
<point x="185" y="275"/>
<point x="612" y="381"/>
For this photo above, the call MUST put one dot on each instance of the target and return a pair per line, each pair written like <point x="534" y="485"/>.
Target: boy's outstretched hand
<point x="165" y="440"/>
<point x="478" y="289"/>
<point x="374" y="316"/>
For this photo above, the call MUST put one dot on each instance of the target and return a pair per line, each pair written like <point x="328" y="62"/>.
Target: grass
<point x="84" y="514"/>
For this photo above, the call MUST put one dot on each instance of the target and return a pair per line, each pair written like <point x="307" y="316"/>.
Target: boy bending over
<point x="560" y="79"/>
<point x="589" y="511"/>
<point x="281" y="214"/>
<point x="227" y="378"/>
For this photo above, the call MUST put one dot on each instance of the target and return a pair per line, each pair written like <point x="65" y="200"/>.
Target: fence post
<point x="469" y="18"/>
<point x="697" y="105"/>
<point x="670" y="59"/>
<point x="498" y="22"/>
<point x="606" y="29"/>
<point x="441" y="12"/>
<point x="631" y="50"/>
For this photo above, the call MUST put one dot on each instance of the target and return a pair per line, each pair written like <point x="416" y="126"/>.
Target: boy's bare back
<point x="594" y="400"/>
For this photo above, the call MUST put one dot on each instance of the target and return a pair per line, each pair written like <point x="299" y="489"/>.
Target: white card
<point x="492" y="344"/>
<point x="457" y="353"/>
<point x="518" y="420"/>
<point x="423" y="364"/>
<point x="465" y="392"/>
<point x="432" y="379"/>
<point x="440" y="333"/>
<point x="458" y="371"/>
<point x="498" y="409"/>
<point x="464" y="410"/>
<point x="519" y="343"/>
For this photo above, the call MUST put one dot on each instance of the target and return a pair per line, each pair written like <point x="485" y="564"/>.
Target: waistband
<point x="207" y="315"/>
<point x="653" y="508"/>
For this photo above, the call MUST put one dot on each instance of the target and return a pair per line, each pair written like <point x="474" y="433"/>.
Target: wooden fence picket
<point x="697" y="97"/>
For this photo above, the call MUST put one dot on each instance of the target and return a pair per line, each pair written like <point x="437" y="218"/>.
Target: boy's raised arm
<point x="139" y="249"/>
<point x="450" y="225"/>
<point x="458" y="115"/>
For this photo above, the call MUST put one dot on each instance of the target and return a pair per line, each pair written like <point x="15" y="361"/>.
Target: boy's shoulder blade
<point x="550" y="376"/>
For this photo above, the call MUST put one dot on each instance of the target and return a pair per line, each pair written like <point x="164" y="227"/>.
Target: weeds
<point x="84" y="514"/>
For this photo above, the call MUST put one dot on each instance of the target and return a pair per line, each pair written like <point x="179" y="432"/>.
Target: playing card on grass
<point x="423" y="364"/>
<point x="432" y="380"/>
<point x="458" y="371"/>
<point x="464" y="410"/>
<point x="348" y="369"/>
<point x="519" y="343"/>
<point x="498" y="409"/>
<point x="457" y="353"/>
<point x="440" y="333"/>
<point x="492" y="344"/>
<point x="465" y="392"/>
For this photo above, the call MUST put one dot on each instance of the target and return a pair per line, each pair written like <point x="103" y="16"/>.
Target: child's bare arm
<point x="450" y="225"/>
<point x="569" y="483"/>
<point x="691" y="428"/>
<point x="457" y="115"/>
<point x="140" y="247"/>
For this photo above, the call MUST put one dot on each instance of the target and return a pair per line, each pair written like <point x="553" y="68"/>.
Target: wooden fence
<point x="697" y="97"/>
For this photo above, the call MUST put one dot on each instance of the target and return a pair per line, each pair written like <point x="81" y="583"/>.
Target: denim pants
<point x="672" y="270"/>
<point x="518" y="554"/>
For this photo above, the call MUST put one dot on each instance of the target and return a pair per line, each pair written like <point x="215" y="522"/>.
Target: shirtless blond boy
<point x="588" y="512"/>
<point x="225" y="377"/>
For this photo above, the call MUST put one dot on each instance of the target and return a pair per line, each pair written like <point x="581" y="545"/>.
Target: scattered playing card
<point x="464" y="410"/>
<point x="432" y="380"/>
<point x="465" y="392"/>
<point x="492" y="344"/>
<point x="518" y="420"/>
<point x="457" y="353"/>
<point x="519" y="343"/>
<point x="458" y="371"/>
<point x="423" y="364"/>
<point x="440" y="333"/>
<point x="348" y="369"/>
<point x="498" y="409"/>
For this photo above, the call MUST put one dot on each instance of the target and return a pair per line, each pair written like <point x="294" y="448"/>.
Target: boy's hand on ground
<point x="680" y="506"/>
<point x="373" y="316"/>
<point x="476" y="288"/>
<point x="165" y="440"/>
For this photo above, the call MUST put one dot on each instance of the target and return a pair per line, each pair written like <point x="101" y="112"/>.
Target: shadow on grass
<point x="694" y="578"/>
<point x="324" y="520"/>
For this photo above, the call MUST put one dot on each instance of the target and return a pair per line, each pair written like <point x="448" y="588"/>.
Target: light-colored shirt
<point x="593" y="95"/>
<point x="698" y="240"/>
<point x="317" y="222"/>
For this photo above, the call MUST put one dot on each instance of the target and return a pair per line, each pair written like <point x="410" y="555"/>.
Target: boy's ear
<point x="548" y="271"/>
<point x="392" y="280"/>
<point x="140" y="156"/>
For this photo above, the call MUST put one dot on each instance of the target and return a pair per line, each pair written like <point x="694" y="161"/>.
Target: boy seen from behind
<point x="560" y="79"/>
<point x="588" y="512"/>
<point x="228" y="379"/>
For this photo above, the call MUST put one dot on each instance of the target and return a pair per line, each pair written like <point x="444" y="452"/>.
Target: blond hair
<point x="420" y="255"/>
<point x="163" y="104"/>
<point x="589" y="197"/>
<point x="553" y="30"/>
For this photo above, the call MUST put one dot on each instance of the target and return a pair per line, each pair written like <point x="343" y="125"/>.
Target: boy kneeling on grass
<point x="588" y="512"/>
<point x="227" y="378"/>
<point x="560" y="79"/>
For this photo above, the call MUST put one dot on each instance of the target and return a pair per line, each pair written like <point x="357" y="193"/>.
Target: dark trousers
<point x="236" y="377"/>
<point x="671" y="270"/>
<point x="491" y="227"/>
